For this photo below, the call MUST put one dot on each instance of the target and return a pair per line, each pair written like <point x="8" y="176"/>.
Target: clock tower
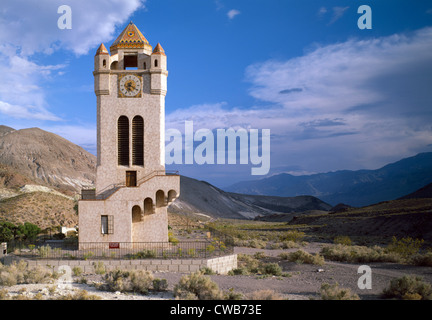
<point x="132" y="189"/>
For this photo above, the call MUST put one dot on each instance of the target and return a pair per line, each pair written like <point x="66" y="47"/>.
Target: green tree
<point x="7" y="231"/>
<point x="28" y="230"/>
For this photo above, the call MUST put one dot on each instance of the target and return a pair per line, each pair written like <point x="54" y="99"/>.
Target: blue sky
<point x="334" y="96"/>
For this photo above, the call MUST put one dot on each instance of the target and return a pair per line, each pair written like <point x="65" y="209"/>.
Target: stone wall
<point x="219" y="265"/>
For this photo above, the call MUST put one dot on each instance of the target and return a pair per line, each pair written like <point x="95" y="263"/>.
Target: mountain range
<point x="354" y="188"/>
<point x="34" y="162"/>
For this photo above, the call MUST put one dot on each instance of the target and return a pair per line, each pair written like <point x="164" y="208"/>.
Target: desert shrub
<point x="80" y="295"/>
<point x="264" y="295"/>
<point x="20" y="273"/>
<point x="258" y="244"/>
<point x="248" y="263"/>
<point x="207" y="271"/>
<point x="345" y="240"/>
<point x="197" y="286"/>
<point x="172" y="238"/>
<point x="301" y="256"/>
<point x="128" y="281"/>
<point x="289" y="244"/>
<point x="44" y="251"/>
<point x="77" y="271"/>
<point x="360" y="254"/>
<point x="4" y="295"/>
<point x="272" y="269"/>
<point x="293" y="235"/>
<point x="408" y="287"/>
<point x="405" y="247"/>
<point x="141" y="281"/>
<point x="422" y="259"/>
<point x="238" y="272"/>
<point x="99" y="267"/>
<point x="233" y="295"/>
<point x="210" y="248"/>
<point x="145" y="254"/>
<point x="333" y="292"/>
<point x="160" y="284"/>
<point x="259" y="255"/>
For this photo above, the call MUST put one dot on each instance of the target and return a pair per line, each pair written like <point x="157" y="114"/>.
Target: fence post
<point x="3" y="249"/>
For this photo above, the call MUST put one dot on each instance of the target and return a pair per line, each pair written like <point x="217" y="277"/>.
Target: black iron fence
<point x="216" y="245"/>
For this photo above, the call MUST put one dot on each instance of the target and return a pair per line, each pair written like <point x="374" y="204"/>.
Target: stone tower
<point x="133" y="190"/>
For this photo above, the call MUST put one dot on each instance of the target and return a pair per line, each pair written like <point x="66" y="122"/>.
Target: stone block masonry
<point x="220" y="265"/>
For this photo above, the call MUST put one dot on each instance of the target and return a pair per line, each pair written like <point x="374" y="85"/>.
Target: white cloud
<point x="232" y="13"/>
<point x="322" y="11"/>
<point x="82" y="135"/>
<point x="32" y="25"/>
<point x="355" y="104"/>
<point x="28" y="27"/>
<point x="338" y="12"/>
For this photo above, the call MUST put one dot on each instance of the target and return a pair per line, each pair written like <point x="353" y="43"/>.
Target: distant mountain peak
<point x="356" y="188"/>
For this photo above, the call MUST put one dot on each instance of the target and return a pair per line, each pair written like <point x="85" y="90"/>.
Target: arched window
<point x="148" y="206"/>
<point x="172" y="195"/>
<point x="160" y="199"/>
<point x="156" y="63"/>
<point x="123" y="141"/>
<point x="136" y="214"/>
<point x="144" y="66"/>
<point x="104" y="63"/>
<point x="138" y="141"/>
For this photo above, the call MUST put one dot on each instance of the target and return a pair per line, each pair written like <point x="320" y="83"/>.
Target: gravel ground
<point x="303" y="284"/>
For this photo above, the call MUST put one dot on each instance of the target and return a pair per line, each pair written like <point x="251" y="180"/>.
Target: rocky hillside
<point x="376" y="223"/>
<point x="40" y="157"/>
<point x="44" y="209"/>
<point x="201" y="198"/>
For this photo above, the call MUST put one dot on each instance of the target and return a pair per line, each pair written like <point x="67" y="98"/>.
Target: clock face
<point x="130" y="86"/>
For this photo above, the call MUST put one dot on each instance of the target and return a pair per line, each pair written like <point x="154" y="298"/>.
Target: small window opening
<point x="144" y="66"/>
<point x="156" y="63"/>
<point x="131" y="180"/>
<point x="131" y="62"/>
<point x="104" y="63"/>
<point x="107" y="224"/>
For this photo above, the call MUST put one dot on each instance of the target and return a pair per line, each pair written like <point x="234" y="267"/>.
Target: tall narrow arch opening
<point x="148" y="206"/>
<point x="156" y="63"/>
<point x="138" y="141"/>
<point x="172" y="195"/>
<point x="136" y="214"/>
<point x="160" y="199"/>
<point x="123" y="141"/>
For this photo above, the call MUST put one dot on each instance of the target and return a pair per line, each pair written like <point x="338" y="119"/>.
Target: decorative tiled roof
<point x="101" y="50"/>
<point x="159" y="50"/>
<point x="130" y="37"/>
